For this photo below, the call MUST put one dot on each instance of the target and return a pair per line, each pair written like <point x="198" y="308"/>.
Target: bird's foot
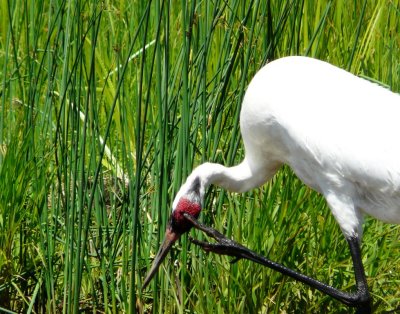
<point x="224" y="245"/>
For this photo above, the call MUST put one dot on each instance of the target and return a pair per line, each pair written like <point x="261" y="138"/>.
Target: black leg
<point x="362" y="296"/>
<point x="225" y="246"/>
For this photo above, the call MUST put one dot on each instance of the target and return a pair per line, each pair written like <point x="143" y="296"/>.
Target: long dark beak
<point x="170" y="237"/>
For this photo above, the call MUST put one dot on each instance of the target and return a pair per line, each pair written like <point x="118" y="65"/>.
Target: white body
<point x="339" y="133"/>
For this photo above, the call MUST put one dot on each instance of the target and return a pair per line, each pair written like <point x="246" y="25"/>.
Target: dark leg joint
<point x="361" y="300"/>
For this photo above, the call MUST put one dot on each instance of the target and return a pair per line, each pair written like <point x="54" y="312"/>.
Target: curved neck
<point x="239" y="178"/>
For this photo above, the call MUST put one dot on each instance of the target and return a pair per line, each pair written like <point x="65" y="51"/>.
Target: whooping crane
<point x="338" y="132"/>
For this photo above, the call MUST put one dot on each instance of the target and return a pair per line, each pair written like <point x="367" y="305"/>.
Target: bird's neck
<point x="239" y="178"/>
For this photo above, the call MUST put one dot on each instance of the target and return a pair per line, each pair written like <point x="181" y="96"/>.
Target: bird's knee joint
<point x="363" y="300"/>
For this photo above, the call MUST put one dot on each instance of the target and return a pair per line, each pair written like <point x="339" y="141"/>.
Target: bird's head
<point x="188" y="200"/>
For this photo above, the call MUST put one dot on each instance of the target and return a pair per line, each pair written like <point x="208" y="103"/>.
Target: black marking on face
<point x="195" y="186"/>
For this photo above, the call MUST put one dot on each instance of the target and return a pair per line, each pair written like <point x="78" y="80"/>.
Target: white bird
<point x="340" y="135"/>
